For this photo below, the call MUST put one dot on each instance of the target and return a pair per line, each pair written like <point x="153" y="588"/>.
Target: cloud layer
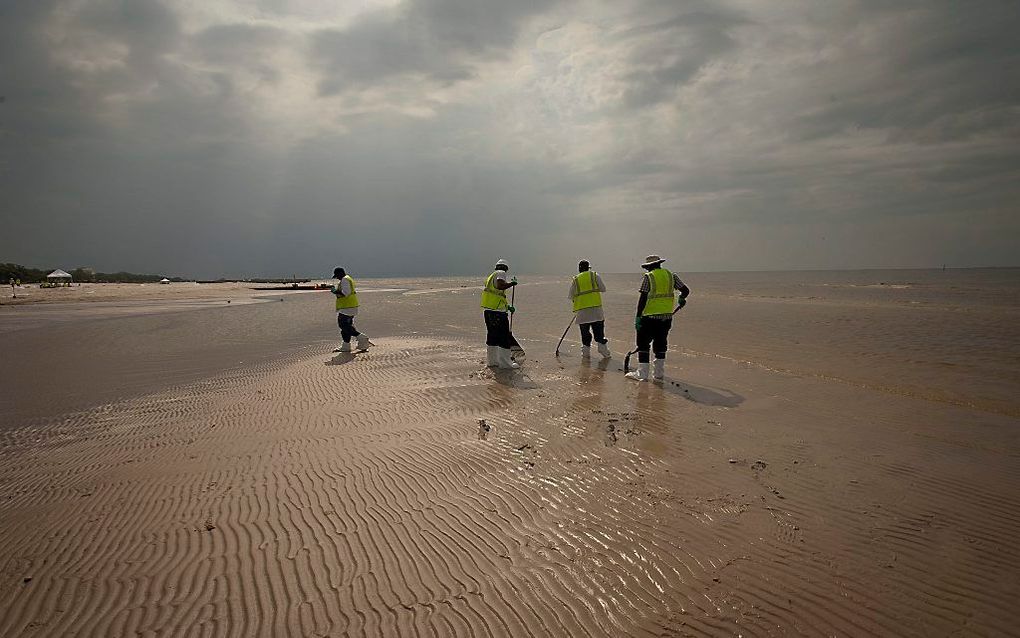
<point x="432" y="136"/>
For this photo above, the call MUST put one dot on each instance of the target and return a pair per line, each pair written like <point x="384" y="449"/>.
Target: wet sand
<point x="252" y="483"/>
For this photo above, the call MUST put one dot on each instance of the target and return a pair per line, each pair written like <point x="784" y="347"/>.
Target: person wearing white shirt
<point x="585" y="293"/>
<point x="346" y="309"/>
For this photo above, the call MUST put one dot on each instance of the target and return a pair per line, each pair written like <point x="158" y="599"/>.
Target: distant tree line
<point x="81" y="274"/>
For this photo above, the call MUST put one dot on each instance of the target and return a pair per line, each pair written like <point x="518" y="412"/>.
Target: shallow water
<point x="950" y="336"/>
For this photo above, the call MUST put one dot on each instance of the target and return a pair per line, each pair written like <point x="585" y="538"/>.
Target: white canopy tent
<point x="59" y="276"/>
<point x="164" y="280"/>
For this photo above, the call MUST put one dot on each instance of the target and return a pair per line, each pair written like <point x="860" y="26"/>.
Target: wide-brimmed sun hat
<point x="652" y="260"/>
<point x="502" y="262"/>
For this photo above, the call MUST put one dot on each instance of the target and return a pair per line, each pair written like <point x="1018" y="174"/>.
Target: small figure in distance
<point x="346" y="309"/>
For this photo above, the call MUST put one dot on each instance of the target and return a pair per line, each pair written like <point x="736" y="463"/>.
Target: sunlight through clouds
<point x="742" y="131"/>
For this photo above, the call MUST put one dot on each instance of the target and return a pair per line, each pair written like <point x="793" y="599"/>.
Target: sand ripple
<point x="357" y="499"/>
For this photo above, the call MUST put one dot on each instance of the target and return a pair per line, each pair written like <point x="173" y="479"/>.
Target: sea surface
<point x="947" y="336"/>
<point x="950" y="336"/>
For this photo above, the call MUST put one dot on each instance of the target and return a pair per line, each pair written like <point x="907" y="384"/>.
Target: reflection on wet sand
<point x="412" y="491"/>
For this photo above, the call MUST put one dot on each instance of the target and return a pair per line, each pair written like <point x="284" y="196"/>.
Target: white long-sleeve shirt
<point x="588" y="315"/>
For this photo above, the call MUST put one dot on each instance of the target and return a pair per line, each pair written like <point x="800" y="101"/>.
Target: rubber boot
<point x="641" y="374"/>
<point x="604" y="351"/>
<point x="586" y="352"/>
<point x="344" y="347"/>
<point x="363" y="342"/>
<point x="659" y="369"/>
<point x="492" y="354"/>
<point x="506" y="359"/>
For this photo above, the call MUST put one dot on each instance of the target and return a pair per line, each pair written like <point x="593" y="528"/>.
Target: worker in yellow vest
<point x="346" y="309"/>
<point x="498" y="339"/>
<point x="586" y="294"/>
<point x="655" y="316"/>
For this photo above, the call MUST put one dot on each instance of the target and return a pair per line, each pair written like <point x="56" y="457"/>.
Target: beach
<point x="831" y="453"/>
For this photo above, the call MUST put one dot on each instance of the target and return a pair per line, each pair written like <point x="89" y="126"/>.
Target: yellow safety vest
<point x="492" y="297"/>
<point x="348" y="301"/>
<point x="660" y="293"/>
<point x="588" y="295"/>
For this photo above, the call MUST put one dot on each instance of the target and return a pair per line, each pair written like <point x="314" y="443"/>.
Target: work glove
<point x="511" y="309"/>
<point x="681" y="302"/>
<point x="637" y="322"/>
<point x="513" y="281"/>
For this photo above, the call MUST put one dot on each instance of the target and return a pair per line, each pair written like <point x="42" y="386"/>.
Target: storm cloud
<point x="433" y="136"/>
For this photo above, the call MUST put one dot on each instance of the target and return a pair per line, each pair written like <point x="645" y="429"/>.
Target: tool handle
<point x="513" y="292"/>
<point x="565" y="331"/>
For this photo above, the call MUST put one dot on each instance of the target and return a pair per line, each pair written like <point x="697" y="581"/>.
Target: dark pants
<point x="497" y="327"/>
<point x="598" y="327"/>
<point x="653" y="333"/>
<point x="347" y="329"/>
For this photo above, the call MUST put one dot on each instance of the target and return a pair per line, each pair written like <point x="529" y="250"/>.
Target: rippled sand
<point x="255" y="484"/>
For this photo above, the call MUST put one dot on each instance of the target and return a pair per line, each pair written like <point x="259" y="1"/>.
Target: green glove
<point x="514" y="279"/>
<point x="511" y="309"/>
<point x="680" y="302"/>
<point x="637" y="322"/>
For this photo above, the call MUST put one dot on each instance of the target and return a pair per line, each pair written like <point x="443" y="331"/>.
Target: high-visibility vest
<point x="347" y="301"/>
<point x="587" y="295"/>
<point x="660" y="293"/>
<point x="492" y="297"/>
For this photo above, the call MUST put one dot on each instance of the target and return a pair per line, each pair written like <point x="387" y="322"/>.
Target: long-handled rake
<point x="565" y="335"/>
<point x="516" y="348"/>
<point x="513" y="293"/>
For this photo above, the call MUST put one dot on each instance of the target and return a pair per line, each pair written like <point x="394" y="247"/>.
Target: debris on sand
<point x="611" y="434"/>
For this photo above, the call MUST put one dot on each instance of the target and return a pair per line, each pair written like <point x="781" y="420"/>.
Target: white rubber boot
<point x="344" y="347"/>
<point x="506" y="359"/>
<point x="492" y="356"/>
<point x="604" y="351"/>
<point x="586" y="352"/>
<point x="659" y="369"/>
<point x="363" y="342"/>
<point x="641" y="374"/>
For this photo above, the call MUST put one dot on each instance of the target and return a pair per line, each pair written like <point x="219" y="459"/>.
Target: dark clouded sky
<point x="209" y="138"/>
